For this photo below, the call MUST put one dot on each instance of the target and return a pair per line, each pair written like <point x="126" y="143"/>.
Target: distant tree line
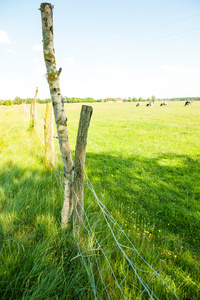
<point x="182" y="99"/>
<point x="19" y="100"/>
<point x="79" y="100"/>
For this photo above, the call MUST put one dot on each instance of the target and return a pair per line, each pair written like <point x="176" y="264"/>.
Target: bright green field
<point x="144" y="164"/>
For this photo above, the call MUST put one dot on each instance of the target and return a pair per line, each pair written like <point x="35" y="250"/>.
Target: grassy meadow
<point x="144" y="164"/>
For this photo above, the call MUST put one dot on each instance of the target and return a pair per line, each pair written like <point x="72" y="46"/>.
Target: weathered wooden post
<point x="48" y="133"/>
<point x="31" y="115"/>
<point x="33" y="110"/>
<point x="79" y="166"/>
<point x="35" y="104"/>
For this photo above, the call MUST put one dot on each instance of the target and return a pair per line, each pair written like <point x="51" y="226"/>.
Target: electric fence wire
<point x="88" y="184"/>
<point x="38" y="123"/>
<point x="140" y="45"/>
<point x="113" y="225"/>
<point x="87" y="243"/>
<point x="39" y="128"/>
<point x="139" y="32"/>
<point x="26" y="110"/>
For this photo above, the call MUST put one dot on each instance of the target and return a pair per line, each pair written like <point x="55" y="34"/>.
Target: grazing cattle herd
<point x="165" y="103"/>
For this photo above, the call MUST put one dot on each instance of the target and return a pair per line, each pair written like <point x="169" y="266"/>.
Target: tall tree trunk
<point x="59" y="113"/>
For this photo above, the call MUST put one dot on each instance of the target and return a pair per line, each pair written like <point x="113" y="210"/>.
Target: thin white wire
<point x="38" y="124"/>
<point x="106" y="215"/>
<point x="26" y="110"/>
<point x="138" y="32"/>
<point x="139" y="45"/>
<point x="99" y="245"/>
<point x="93" y="285"/>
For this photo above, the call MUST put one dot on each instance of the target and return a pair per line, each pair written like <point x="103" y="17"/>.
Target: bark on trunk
<point x="59" y="113"/>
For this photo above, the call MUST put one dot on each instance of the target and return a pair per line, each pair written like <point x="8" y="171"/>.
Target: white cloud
<point x="4" y="39"/>
<point x="11" y="51"/>
<point x="37" y="47"/>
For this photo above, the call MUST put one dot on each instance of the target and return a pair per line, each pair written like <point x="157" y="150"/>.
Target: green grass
<point x="35" y="255"/>
<point x="144" y="164"/>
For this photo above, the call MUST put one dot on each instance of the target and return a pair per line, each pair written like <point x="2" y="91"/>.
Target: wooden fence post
<point x="31" y="115"/>
<point x="33" y="110"/>
<point x="79" y="165"/>
<point x="48" y="133"/>
<point x="35" y="104"/>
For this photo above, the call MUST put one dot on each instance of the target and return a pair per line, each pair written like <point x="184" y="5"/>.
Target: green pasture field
<point x="144" y="164"/>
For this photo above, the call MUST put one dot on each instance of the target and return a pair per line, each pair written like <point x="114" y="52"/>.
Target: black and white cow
<point x="150" y="104"/>
<point x="188" y="103"/>
<point x="163" y="103"/>
<point x="138" y="104"/>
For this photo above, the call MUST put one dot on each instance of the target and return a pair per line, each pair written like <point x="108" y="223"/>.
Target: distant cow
<point x="163" y="103"/>
<point x="188" y="103"/>
<point x="138" y="104"/>
<point x="150" y="104"/>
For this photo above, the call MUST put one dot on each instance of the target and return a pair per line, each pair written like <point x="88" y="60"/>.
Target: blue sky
<point x="106" y="48"/>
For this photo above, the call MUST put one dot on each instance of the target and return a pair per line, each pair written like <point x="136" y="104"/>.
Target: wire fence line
<point x="111" y="260"/>
<point x="39" y="128"/>
<point x="26" y="110"/>
<point x="110" y="241"/>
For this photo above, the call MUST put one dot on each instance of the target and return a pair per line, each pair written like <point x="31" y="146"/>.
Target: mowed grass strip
<point x="144" y="165"/>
